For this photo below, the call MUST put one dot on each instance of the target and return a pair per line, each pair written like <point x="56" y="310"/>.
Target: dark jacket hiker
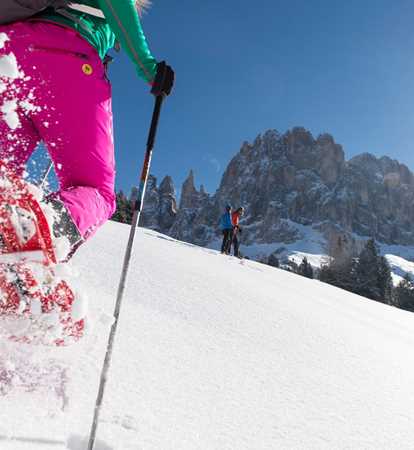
<point x="227" y="230"/>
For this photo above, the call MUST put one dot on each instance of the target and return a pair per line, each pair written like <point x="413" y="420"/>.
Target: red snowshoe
<point x="36" y="305"/>
<point x="23" y="224"/>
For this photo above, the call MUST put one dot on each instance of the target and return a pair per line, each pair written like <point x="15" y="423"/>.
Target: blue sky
<point x="243" y="67"/>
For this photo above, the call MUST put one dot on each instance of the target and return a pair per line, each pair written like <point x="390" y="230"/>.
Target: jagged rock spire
<point x="167" y="186"/>
<point x="160" y="205"/>
<point x="295" y="178"/>
<point x="168" y="204"/>
<point x="189" y="194"/>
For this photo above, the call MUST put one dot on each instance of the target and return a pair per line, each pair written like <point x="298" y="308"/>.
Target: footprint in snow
<point x="126" y="422"/>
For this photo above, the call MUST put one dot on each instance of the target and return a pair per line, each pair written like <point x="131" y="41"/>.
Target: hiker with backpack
<point x="54" y="88"/>
<point x="226" y="227"/>
<point x="235" y="219"/>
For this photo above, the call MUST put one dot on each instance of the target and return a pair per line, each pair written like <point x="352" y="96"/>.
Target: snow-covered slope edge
<point x="214" y="353"/>
<point x="312" y="244"/>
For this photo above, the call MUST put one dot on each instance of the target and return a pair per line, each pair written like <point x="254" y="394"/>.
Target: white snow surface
<point x="9" y="110"/>
<point x="3" y="39"/>
<point x="9" y="67"/>
<point x="9" y="71"/>
<point x="214" y="353"/>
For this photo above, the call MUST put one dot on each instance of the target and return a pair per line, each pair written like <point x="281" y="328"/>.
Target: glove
<point x="164" y="80"/>
<point x="240" y="230"/>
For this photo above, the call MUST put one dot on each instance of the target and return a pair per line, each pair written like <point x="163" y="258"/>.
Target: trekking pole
<point x="122" y="283"/>
<point x="45" y="175"/>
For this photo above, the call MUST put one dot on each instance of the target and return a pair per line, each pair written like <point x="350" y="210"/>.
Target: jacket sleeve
<point x="228" y="221"/>
<point x="122" y="17"/>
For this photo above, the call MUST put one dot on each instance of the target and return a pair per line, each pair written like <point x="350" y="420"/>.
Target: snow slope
<point x="312" y="244"/>
<point x="214" y="353"/>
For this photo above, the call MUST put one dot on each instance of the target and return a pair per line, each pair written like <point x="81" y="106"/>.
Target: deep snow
<point x="214" y="353"/>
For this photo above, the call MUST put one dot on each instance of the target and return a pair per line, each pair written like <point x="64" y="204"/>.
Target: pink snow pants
<point x="63" y="99"/>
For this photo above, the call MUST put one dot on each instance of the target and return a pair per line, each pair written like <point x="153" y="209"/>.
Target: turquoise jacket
<point x="121" y="23"/>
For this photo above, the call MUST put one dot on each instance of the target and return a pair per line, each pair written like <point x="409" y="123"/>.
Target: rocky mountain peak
<point x="331" y="158"/>
<point x="293" y="180"/>
<point x="160" y="205"/>
<point x="385" y="169"/>
<point x="151" y="182"/>
<point x="189" y="194"/>
<point x="167" y="186"/>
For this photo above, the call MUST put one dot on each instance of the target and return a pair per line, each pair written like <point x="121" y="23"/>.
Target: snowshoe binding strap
<point x="15" y="196"/>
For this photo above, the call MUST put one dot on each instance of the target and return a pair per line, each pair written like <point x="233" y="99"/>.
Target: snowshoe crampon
<point x="37" y="306"/>
<point x="23" y="224"/>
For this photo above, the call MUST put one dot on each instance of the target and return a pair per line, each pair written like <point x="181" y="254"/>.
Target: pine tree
<point x="340" y="269"/>
<point x="326" y="274"/>
<point x="385" y="280"/>
<point x="123" y="212"/>
<point x="291" y="266"/>
<point x="367" y="272"/>
<point x="404" y="294"/>
<point x="368" y="275"/>
<point x="273" y="261"/>
<point x="339" y="273"/>
<point x="305" y="269"/>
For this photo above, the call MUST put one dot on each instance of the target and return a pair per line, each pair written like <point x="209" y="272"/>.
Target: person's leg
<point x="224" y="243"/>
<point x="229" y="235"/>
<point x="75" y="122"/>
<point x="236" y="245"/>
